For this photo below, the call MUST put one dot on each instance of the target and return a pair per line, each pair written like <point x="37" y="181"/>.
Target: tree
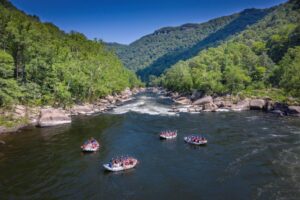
<point x="179" y="78"/>
<point x="52" y="67"/>
<point x="290" y="66"/>
<point x="10" y="91"/>
<point x="236" y="79"/>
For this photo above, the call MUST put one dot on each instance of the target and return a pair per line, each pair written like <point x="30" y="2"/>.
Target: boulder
<point x="135" y="90"/>
<point x="219" y="101"/>
<point x="163" y="92"/>
<point x="257" y="104"/>
<point x="103" y="101"/>
<point x="191" y="110"/>
<point x="155" y="90"/>
<point x="110" y="98"/>
<point x="82" y="109"/>
<point x="195" y="109"/>
<point x="294" y="110"/>
<point x="278" y="112"/>
<point x="126" y="93"/>
<point x="223" y="102"/>
<point x="174" y="109"/>
<point x="199" y="109"/>
<point x="53" y="117"/>
<point x="210" y="107"/>
<point x="174" y="95"/>
<point x="120" y="100"/>
<point x="103" y="108"/>
<point x="183" y="100"/>
<point x="269" y="105"/>
<point x="196" y="95"/>
<point x="204" y="100"/>
<point x="19" y="112"/>
<point x="242" y="105"/>
<point x="33" y="115"/>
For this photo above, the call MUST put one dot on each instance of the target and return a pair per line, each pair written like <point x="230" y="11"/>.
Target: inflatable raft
<point x="196" y="140"/>
<point x="168" y="134"/>
<point x="120" y="164"/>
<point x="90" y="145"/>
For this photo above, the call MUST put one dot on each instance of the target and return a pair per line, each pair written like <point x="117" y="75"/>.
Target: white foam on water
<point x="222" y="110"/>
<point x="144" y="105"/>
<point x="296" y="132"/>
<point x="275" y="135"/>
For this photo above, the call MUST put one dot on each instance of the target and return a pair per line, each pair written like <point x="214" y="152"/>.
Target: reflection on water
<point x="250" y="155"/>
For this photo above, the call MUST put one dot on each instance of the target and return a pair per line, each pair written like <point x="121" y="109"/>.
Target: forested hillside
<point x="154" y="53"/>
<point x="263" y="58"/>
<point x="40" y="64"/>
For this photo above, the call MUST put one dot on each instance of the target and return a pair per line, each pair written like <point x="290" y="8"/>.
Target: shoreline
<point x="47" y="116"/>
<point x="196" y="103"/>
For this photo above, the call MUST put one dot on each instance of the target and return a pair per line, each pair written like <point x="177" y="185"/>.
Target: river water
<point x="250" y="155"/>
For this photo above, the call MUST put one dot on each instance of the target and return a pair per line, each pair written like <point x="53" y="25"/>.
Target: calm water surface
<point x="250" y="155"/>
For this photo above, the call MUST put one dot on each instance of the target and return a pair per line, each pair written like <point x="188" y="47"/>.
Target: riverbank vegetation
<point x="263" y="60"/>
<point x="42" y="65"/>
<point x="9" y="121"/>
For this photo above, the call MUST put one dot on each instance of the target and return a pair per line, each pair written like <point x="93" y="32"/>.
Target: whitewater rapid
<point x="146" y="104"/>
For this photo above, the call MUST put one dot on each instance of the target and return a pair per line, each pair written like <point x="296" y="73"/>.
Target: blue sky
<point x="124" y="21"/>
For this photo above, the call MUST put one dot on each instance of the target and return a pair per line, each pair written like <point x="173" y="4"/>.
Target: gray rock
<point x="125" y="94"/>
<point x="136" y="90"/>
<point x="174" y="95"/>
<point x="219" y="101"/>
<point x="204" y="100"/>
<point x="257" y="104"/>
<point x="269" y="105"/>
<point x="223" y="102"/>
<point x="294" y="110"/>
<point x="110" y="98"/>
<point x="199" y="108"/>
<point x="196" y="95"/>
<point x="127" y="91"/>
<point x="19" y="111"/>
<point x="183" y="101"/>
<point x="82" y="109"/>
<point x="103" y="101"/>
<point x="277" y="112"/>
<point x="53" y="117"/>
<point x="155" y="90"/>
<point x="210" y="107"/>
<point x="242" y="105"/>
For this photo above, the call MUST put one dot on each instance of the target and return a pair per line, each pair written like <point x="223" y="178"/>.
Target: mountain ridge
<point x="147" y="51"/>
<point x="261" y="61"/>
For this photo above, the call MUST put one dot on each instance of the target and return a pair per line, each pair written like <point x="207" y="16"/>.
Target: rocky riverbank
<point x="195" y="103"/>
<point x="50" y="116"/>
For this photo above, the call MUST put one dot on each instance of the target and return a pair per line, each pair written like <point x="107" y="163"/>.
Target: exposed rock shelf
<point x="195" y="103"/>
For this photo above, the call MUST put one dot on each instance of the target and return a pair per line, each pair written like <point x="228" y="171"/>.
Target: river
<point x="250" y="155"/>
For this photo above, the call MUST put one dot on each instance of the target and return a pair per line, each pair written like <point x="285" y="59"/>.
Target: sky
<point x="125" y="21"/>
